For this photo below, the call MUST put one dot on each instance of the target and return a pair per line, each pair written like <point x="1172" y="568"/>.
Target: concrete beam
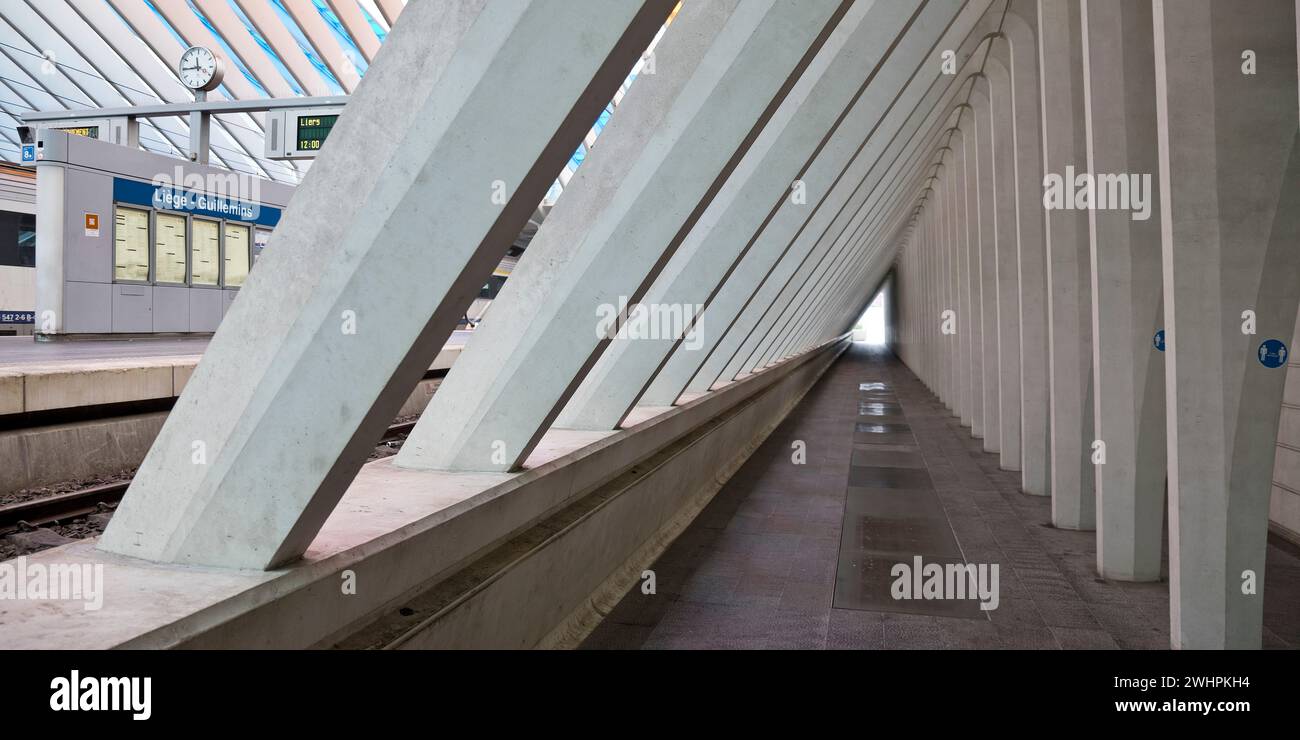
<point x="354" y="302"/>
<point x="793" y="161"/>
<point x="723" y="71"/>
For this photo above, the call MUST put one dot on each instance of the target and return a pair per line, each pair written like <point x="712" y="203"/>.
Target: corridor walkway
<point x="798" y="555"/>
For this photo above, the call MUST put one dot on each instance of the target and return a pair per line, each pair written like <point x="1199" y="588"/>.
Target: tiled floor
<point x="771" y="563"/>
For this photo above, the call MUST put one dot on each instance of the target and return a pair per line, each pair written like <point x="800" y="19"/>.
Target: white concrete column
<point x="342" y="318"/>
<point x="1006" y="254"/>
<point x="1128" y="367"/>
<point x="946" y="341"/>
<point x="723" y="70"/>
<point x="1020" y="37"/>
<point x="1230" y="194"/>
<point x="988" y="265"/>
<point x="961" y="246"/>
<point x="1069" y="288"/>
<point x="974" y="275"/>
<point x="953" y="277"/>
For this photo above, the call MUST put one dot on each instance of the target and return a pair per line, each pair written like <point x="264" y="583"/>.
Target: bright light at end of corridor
<point x="871" y="327"/>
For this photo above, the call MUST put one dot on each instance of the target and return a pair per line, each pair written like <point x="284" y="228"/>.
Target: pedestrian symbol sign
<point x="1272" y="353"/>
<point x="1159" y="341"/>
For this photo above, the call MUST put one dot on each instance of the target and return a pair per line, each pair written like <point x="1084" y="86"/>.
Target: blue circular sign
<point x="1272" y="353"/>
<point x="1159" y="341"/>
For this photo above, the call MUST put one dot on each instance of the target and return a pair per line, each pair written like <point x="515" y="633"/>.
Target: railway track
<point x="64" y="507"/>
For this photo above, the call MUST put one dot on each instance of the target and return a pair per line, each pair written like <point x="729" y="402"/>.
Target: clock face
<point x="200" y="69"/>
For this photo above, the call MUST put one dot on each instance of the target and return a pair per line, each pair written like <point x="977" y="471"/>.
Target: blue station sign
<point x="169" y="198"/>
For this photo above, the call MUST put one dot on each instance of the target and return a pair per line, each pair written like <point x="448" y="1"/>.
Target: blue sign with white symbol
<point x="1159" y="341"/>
<point x="29" y="152"/>
<point x="1272" y="353"/>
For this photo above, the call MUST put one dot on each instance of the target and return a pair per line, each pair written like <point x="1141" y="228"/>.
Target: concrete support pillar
<point x="342" y="318"/>
<point x="724" y="69"/>
<point x="1020" y="38"/>
<point x="1006" y="254"/>
<point x="1230" y="195"/>
<point x="950" y="341"/>
<point x="1128" y="366"/>
<point x="1069" y="289"/>
<point x="965" y="324"/>
<point x="982" y="113"/>
<point x="973" y="269"/>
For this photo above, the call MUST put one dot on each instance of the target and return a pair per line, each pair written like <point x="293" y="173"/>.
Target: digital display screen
<point x="313" y="130"/>
<point x="90" y="132"/>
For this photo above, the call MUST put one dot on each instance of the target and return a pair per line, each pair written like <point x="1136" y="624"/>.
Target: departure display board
<point x="169" y="249"/>
<point x="236" y="254"/>
<point x="205" y="247"/>
<point x="313" y="130"/>
<point x="130" y="244"/>
<point x="90" y="132"/>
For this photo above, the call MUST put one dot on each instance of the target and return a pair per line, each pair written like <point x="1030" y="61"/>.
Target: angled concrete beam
<point x="723" y="71"/>
<point x="791" y="163"/>
<point x="761" y="345"/>
<point x="1128" y="367"/>
<point x="1230" y="201"/>
<point x="759" y="306"/>
<point x="790" y="315"/>
<point x="347" y="311"/>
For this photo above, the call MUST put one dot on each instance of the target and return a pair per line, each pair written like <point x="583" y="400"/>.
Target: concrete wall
<point x="39" y="456"/>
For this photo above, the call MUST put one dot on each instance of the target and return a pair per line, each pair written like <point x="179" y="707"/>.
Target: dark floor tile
<point x="1083" y="639"/>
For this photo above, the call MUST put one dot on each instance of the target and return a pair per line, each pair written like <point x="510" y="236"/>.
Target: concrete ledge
<point x="35" y="456"/>
<point x="56" y="453"/>
<point x="396" y="533"/>
<point x="103" y="382"/>
<point x="68" y="385"/>
<point x="11" y="392"/>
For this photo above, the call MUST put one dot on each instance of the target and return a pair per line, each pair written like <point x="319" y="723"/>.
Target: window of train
<point x="169" y="248"/>
<point x="130" y="244"/>
<point x="17" y="239"/>
<point x="205" y="252"/>
<point x="236" y="254"/>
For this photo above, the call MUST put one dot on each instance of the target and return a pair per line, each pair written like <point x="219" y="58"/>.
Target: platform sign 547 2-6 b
<point x="299" y="133"/>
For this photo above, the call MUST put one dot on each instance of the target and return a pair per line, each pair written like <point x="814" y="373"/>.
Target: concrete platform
<point x="776" y="558"/>
<point x="397" y="530"/>
<point x="45" y="376"/>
